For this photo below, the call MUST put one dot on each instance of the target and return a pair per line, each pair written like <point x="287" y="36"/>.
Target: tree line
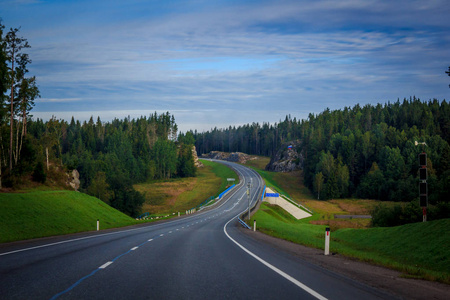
<point x="366" y="152"/>
<point x="109" y="156"/>
<point x="17" y="94"/>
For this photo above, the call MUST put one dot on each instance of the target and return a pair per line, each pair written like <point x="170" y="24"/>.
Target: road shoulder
<point x="378" y="277"/>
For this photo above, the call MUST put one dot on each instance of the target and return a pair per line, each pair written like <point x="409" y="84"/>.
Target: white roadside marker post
<point x="98" y="224"/>
<point x="327" y="241"/>
<point x="254" y="225"/>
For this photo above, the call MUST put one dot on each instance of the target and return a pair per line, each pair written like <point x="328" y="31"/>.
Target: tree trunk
<point x="24" y="120"/>
<point x="16" y="155"/>
<point x="21" y="137"/>
<point x="12" y="117"/>
<point x="46" y="153"/>
<point x="0" y="166"/>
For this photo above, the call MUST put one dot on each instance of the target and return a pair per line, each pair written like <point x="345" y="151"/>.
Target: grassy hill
<point x="46" y="213"/>
<point x="41" y="212"/>
<point x="181" y="194"/>
<point x="419" y="250"/>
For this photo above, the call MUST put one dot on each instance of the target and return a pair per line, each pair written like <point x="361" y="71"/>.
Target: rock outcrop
<point x="74" y="179"/>
<point x="287" y="159"/>
<point x="238" y="157"/>
<point x="197" y="163"/>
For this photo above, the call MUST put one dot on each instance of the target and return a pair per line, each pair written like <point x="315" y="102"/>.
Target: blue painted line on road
<point x="105" y="265"/>
<point x="75" y="284"/>
<point x="100" y="268"/>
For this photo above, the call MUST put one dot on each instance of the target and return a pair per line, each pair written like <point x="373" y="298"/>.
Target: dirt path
<point x="375" y="276"/>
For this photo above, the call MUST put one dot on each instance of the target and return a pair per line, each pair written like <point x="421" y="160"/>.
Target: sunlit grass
<point x="181" y="194"/>
<point x="420" y="250"/>
<point x="46" y="213"/>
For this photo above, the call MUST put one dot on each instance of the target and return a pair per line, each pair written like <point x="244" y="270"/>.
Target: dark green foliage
<point x="124" y="197"/>
<point x="39" y="174"/>
<point x="110" y="157"/>
<point x="345" y="145"/>
<point x="388" y="216"/>
<point x="185" y="166"/>
<point x="28" y="158"/>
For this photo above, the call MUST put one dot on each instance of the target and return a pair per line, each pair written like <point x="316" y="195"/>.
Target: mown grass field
<point x="181" y="194"/>
<point x="47" y="213"/>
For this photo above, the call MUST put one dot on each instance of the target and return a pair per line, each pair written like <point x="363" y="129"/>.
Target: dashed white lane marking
<point x="170" y="231"/>
<point x="150" y="240"/>
<point x="105" y="265"/>
<point x="134" y="248"/>
<point x="161" y="234"/>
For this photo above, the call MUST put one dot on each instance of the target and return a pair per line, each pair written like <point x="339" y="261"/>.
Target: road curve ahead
<point x="202" y="256"/>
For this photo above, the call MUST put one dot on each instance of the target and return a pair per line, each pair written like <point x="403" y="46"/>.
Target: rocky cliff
<point x="287" y="159"/>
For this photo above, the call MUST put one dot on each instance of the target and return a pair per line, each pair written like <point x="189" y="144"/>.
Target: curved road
<point x="202" y="256"/>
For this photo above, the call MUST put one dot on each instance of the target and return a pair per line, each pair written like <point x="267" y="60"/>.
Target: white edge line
<point x="87" y="237"/>
<point x="69" y="241"/>
<point x="273" y="268"/>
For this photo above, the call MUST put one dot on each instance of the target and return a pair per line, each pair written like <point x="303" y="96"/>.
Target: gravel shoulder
<point x="378" y="277"/>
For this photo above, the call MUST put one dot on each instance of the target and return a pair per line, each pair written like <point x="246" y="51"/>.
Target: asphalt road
<point x="202" y="256"/>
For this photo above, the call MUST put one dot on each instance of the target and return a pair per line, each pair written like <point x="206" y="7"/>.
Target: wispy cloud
<point x="266" y="55"/>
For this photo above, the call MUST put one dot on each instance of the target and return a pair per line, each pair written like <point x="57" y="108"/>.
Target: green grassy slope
<point x="47" y="213"/>
<point x="419" y="250"/>
<point x="223" y="172"/>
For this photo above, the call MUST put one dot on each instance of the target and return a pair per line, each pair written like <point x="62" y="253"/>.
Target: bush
<point x="39" y="174"/>
<point x="440" y="211"/>
<point x="388" y="216"/>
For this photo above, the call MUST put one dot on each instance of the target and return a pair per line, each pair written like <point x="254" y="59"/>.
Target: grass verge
<point x="181" y="194"/>
<point x="419" y="250"/>
<point x="47" y="213"/>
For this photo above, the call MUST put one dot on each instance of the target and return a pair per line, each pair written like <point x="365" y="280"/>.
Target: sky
<point x="221" y="63"/>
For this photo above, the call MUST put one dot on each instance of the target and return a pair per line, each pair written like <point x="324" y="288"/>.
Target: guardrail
<point x="243" y="223"/>
<point x="147" y="214"/>
<point x="200" y="206"/>
<point x="224" y="192"/>
<point x="262" y="195"/>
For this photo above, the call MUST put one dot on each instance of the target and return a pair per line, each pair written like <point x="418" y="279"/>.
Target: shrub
<point x="388" y="216"/>
<point x="39" y="174"/>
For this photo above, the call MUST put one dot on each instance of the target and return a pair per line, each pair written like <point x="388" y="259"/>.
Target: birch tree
<point x="17" y="70"/>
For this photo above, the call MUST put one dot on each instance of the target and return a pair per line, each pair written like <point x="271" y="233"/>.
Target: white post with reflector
<point x="327" y="241"/>
<point x="98" y="224"/>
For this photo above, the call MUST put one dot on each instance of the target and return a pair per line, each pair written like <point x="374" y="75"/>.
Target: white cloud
<point x="277" y="55"/>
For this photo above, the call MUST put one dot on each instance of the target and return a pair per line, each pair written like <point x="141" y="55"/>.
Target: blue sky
<point x="221" y="63"/>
